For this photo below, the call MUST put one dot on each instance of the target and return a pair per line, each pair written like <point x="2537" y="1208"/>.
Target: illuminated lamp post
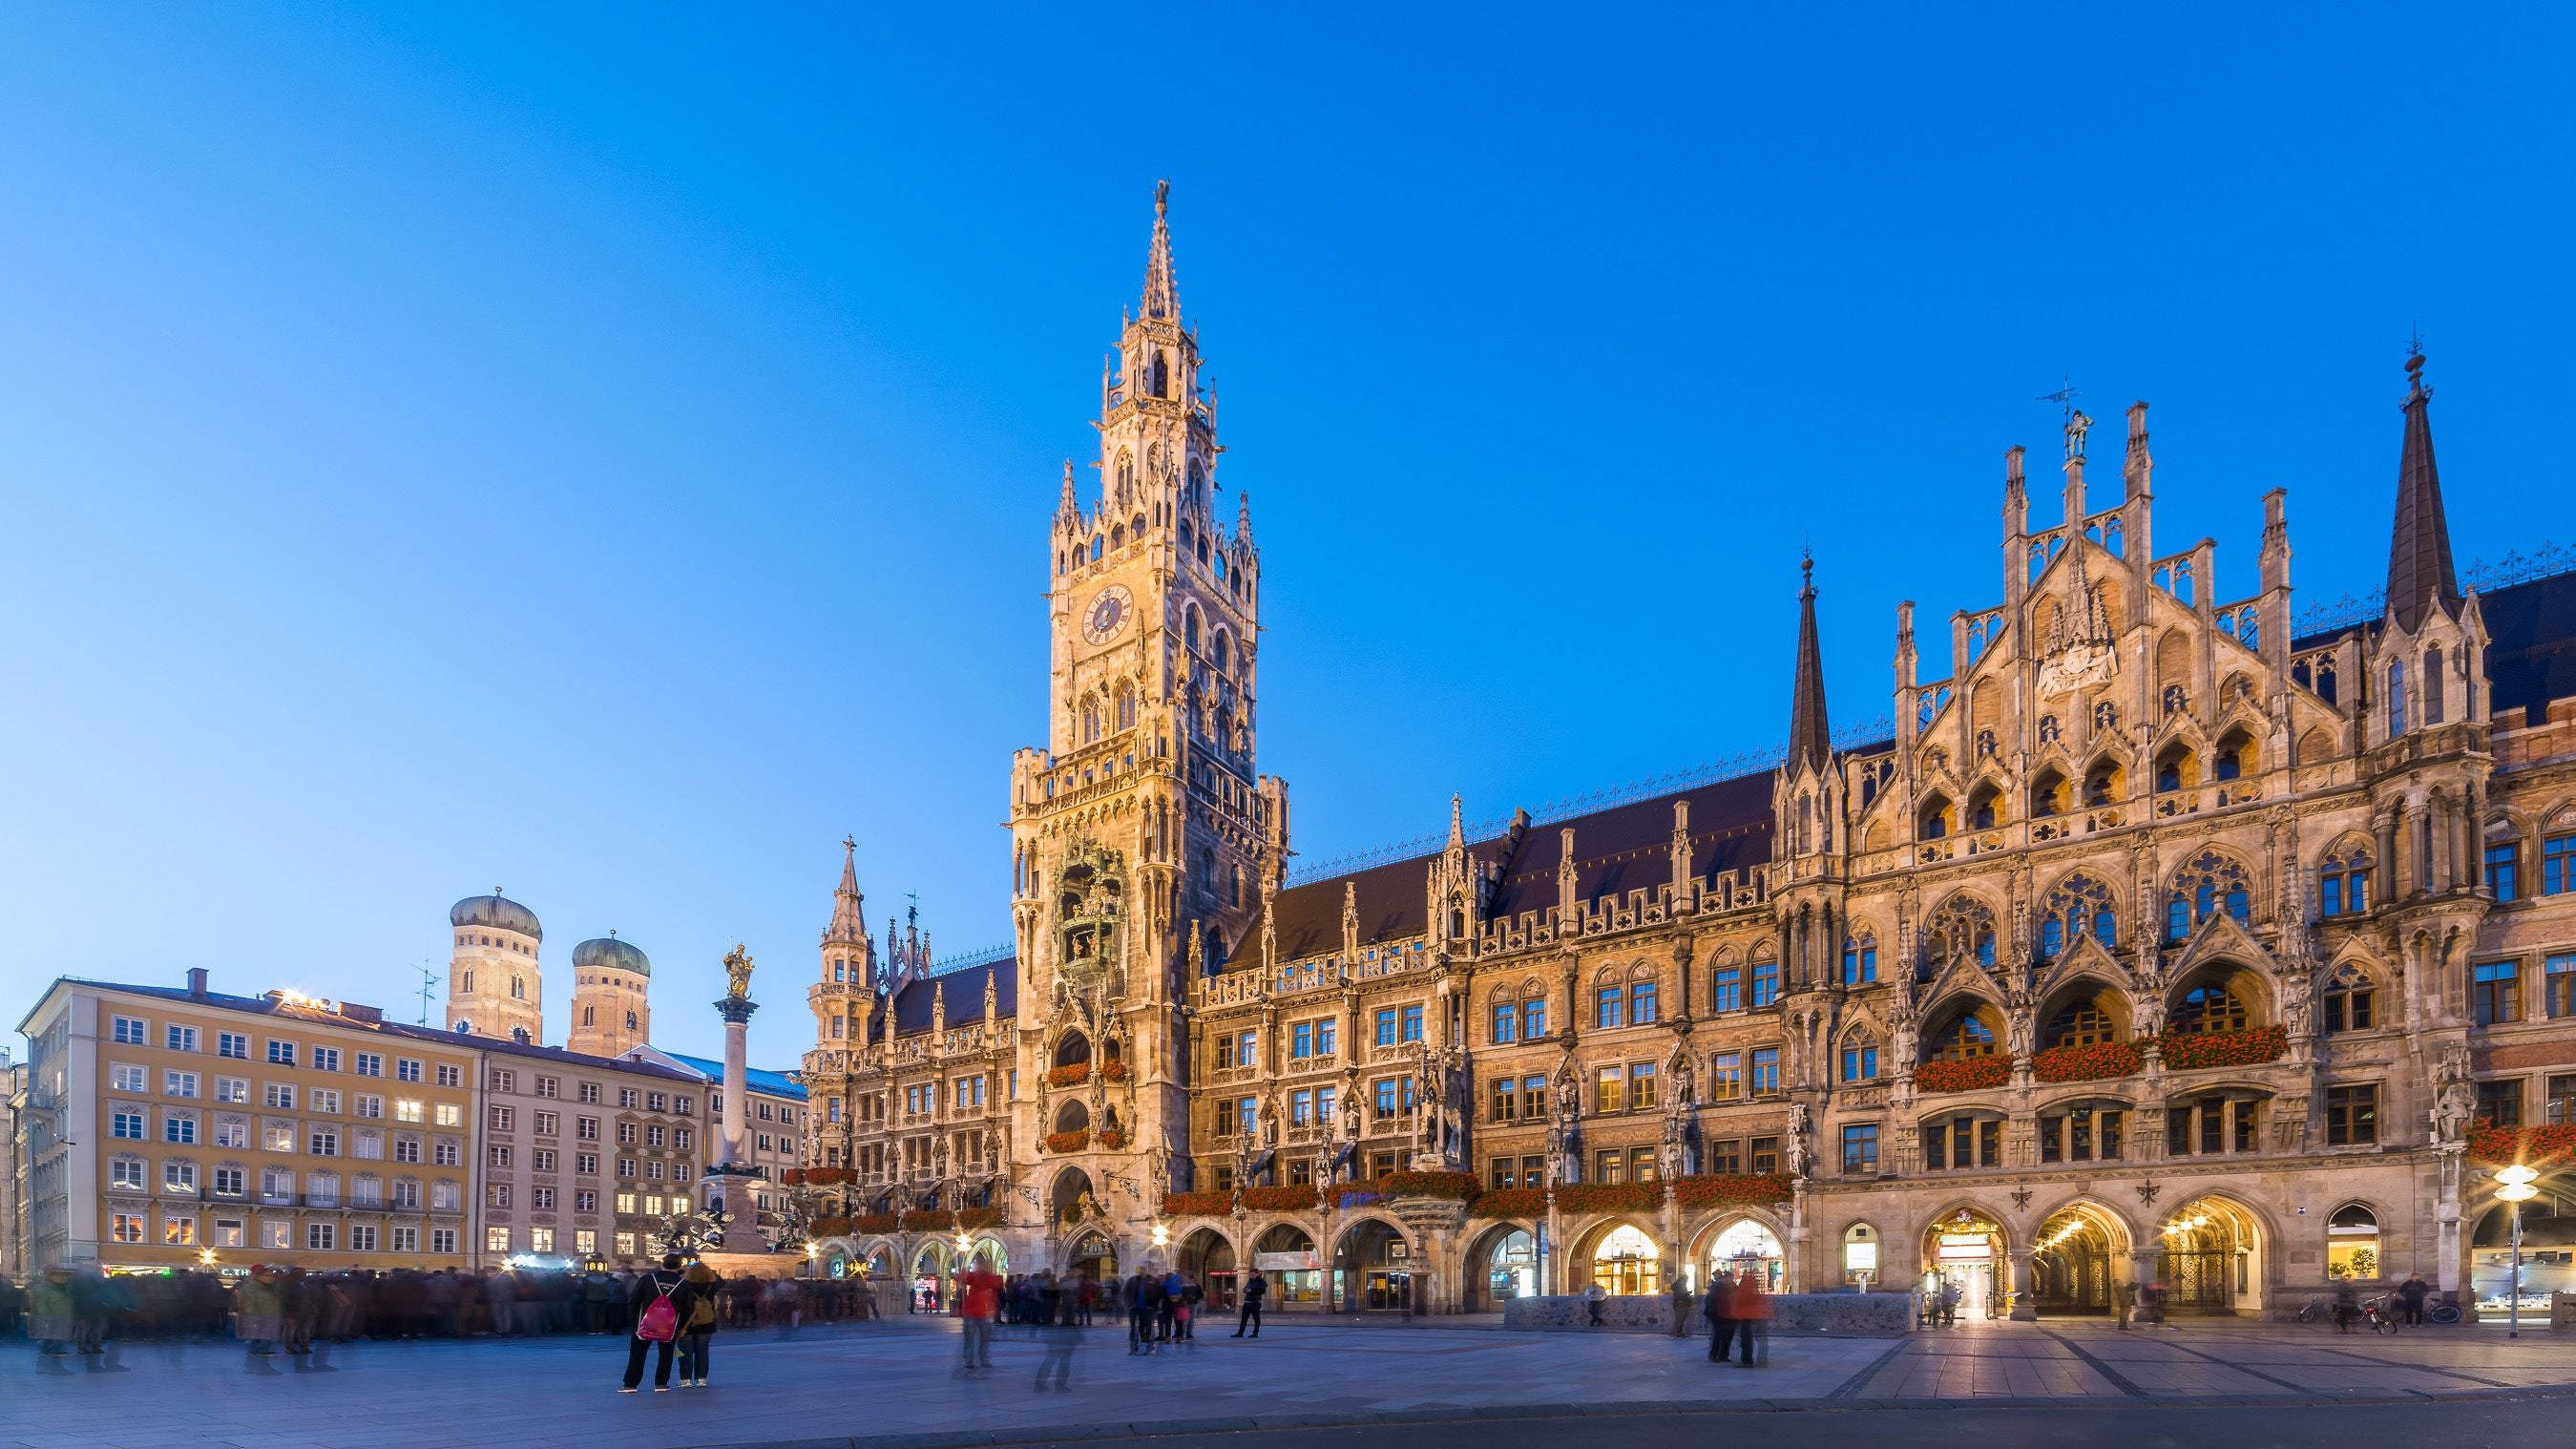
<point x="2517" y="1190"/>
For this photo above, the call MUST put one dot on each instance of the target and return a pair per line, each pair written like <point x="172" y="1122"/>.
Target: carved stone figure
<point x="1801" y="1158"/>
<point x="2455" y="1106"/>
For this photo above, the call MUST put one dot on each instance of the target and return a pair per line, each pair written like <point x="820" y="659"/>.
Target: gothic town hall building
<point x="2160" y="943"/>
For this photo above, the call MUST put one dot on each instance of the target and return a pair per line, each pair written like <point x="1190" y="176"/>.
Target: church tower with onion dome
<point x="494" y="987"/>
<point x="610" y="1013"/>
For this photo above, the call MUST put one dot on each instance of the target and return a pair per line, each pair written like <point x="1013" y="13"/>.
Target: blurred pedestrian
<point x="699" y="1327"/>
<point x="1718" y="1307"/>
<point x="662" y="1300"/>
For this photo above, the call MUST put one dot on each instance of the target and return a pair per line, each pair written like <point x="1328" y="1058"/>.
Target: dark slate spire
<point x="1810" y="740"/>
<point x="2419" y="547"/>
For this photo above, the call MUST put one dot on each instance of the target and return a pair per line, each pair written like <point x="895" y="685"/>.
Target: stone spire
<point x="1811" y="741"/>
<point x="849" y="910"/>
<point x="1068" y="508"/>
<point x="2419" y="546"/>
<point x="1243" y="517"/>
<point x="1162" y="296"/>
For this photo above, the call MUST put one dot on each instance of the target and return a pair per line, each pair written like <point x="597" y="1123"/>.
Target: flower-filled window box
<point x="827" y="1227"/>
<point x="2552" y="1143"/>
<point x="926" y="1222"/>
<point x="983" y="1217"/>
<point x="1114" y="1072"/>
<point x="1589" y="1197"/>
<point x="2223" y="1048"/>
<point x="1509" y="1202"/>
<point x="1459" y="1185"/>
<point x="1197" y="1204"/>
<point x="1962" y="1076"/>
<point x="2086" y="1063"/>
<point x="1733" y="1189"/>
<point x="1111" y="1139"/>
<point x="1073" y="1075"/>
<point x="1073" y="1141"/>
<point x="873" y="1223"/>
<point x="1282" y="1199"/>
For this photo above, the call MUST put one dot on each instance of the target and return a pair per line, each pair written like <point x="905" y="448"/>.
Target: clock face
<point x="1108" y="614"/>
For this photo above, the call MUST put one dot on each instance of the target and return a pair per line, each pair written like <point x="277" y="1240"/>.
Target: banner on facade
<point x="1305" y="1262"/>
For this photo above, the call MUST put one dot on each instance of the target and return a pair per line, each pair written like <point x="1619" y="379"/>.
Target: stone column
<point x="733" y="1180"/>
<point x="2025" y="1296"/>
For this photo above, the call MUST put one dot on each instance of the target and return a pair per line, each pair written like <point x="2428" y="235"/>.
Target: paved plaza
<point x="870" y="1380"/>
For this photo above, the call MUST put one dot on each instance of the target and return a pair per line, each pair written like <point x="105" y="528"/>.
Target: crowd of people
<point x="69" y="1311"/>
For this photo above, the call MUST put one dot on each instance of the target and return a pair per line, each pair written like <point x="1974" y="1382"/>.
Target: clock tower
<point x="1144" y="844"/>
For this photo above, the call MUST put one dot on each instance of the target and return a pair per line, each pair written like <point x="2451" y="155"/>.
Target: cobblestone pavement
<point x="901" y="1378"/>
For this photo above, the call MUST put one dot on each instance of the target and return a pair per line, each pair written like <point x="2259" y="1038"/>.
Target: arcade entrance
<point x="1966" y="1278"/>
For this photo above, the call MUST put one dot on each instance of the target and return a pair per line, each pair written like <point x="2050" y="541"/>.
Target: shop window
<point x="2352" y="1242"/>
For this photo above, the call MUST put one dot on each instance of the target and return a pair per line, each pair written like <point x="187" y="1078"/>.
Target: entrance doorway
<point x="1092" y="1257"/>
<point x="1627" y="1262"/>
<point x="1745" y="1246"/>
<point x="1373" y="1273"/>
<point x="1965" y="1278"/>
<point x="2070" y="1265"/>
<point x="1208" y="1258"/>
<point x="2208" y="1260"/>
<point x="1511" y="1269"/>
<point x="1286" y="1256"/>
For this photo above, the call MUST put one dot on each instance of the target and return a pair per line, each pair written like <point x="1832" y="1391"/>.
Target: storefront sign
<point x="1964" y="1247"/>
<point x="1304" y="1262"/>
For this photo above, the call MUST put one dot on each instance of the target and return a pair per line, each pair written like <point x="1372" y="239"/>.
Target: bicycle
<point x="2381" y="1320"/>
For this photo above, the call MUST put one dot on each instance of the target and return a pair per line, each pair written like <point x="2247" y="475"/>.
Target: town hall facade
<point x="2160" y="943"/>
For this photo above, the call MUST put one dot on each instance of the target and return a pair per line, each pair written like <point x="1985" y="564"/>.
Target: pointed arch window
<point x="2207" y="884"/>
<point x="1090" y="719"/>
<point x="1860" y="1057"/>
<point x="2433" y="685"/>
<point x="2349" y="1001"/>
<point x="1860" y="957"/>
<point x="2075" y="907"/>
<point x="2343" y="882"/>
<point x="2396" y="698"/>
<point x="1963" y="925"/>
<point x="1223" y="652"/>
<point x="1190" y="626"/>
<point x="1126" y="706"/>
<point x="2208" y="1011"/>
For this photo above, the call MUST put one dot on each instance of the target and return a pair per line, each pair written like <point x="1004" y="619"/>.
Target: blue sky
<point x="606" y="452"/>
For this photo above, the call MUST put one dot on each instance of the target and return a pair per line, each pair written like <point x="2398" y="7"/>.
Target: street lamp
<point x="2517" y="1190"/>
<point x="205" y="1257"/>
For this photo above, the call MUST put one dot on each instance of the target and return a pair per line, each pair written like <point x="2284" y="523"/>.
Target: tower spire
<point x="2419" y="545"/>
<point x="1810" y="739"/>
<point x="849" y="911"/>
<point x="1162" y="297"/>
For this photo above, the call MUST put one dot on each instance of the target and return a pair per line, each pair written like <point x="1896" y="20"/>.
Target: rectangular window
<point x="280" y="1095"/>
<point x="1726" y="1156"/>
<point x="1533" y="1097"/>
<point x="405" y="1240"/>
<point x="178" y="1232"/>
<point x="232" y="1132"/>
<point x="2558" y="985"/>
<point x="178" y="1177"/>
<point x="1384" y="1091"/>
<point x="1301" y="1040"/>
<point x="179" y="1038"/>
<point x="326" y="1059"/>
<point x="322" y="1237"/>
<point x="230" y="1233"/>
<point x="369" y="1106"/>
<point x="543" y="1159"/>
<point x="281" y="1053"/>
<point x="2560" y="1106"/>
<point x="1641" y="1004"/>
<point x="277" y="1136"/>
<point x="408" y="1109"/>
<point x="586" y="1163"/>
<point x="447" y="1152"/>
<point x="127" y="1031"/>
<point x="504" y="1119"/>
<point x="123" y="1078"/>
<point x="1766" y="1155"/>
<point x="1610" y="1167"/>
<point x="2495" y="992"/>
<point x="1766" y="983"/>
<point x="125" y="1174"/>
<point x="449" y="1114"/>
<point x="1860" y="1148"/>
<point x="1386" y="1027"/>
<point x="654" y="1134"/>
<point x="543" y="1200"/>
<point x="450" y="1075"/>
<point x="406" y="1070"/>
<point x="589" y="1092"/>
<point x="2500" y="1103"/>
<point x="2352" y="1115"/>
<point x="178" y="1084"/>
<point x="2557" y="865"/>
<point x="1606" y="1007"/>
<point x="1301" y="1108"/>
<point x="362" y="1237"/>
<point x="496" y="1240"/>
<point x="232" y="1044"/>
<point x="1507" y="1020"/>
<point x="1860" y="963"/>
<point x="232" y="1089"/>
<point x="1413" y="1023"/>
<point x="497" y="1154"/>
<point x="1534" y="1019"/>
<point x="128" y="1228"/>
<point x="1766" y="1071"/>
<point x="179" y="1127"/>
<point x="370" y="1064"/>
<point x="442" y="1242"/>
<point x="586" y="1128"/>
<point x="1610" y="1090"/>
<point x="1726" y="1077"/>
<point x="323" y="1142"/>
<point x="326" y="1099"/>
<point x="2504" y="872"/>
<point x="1641" y="1087"/>
<point x="1506" y="1098"/>
<point x="1503" y="1172"/>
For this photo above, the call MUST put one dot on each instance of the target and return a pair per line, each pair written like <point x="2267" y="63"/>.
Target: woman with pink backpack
<point x="663" y="1301"/>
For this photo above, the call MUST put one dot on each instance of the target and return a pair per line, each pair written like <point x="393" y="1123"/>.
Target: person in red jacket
<point x="979" y="1298"/>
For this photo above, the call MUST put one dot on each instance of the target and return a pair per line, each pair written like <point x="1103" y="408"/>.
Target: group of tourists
<point x="70" y="1310"/>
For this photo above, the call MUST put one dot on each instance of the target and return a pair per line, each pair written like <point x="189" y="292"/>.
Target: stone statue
<point x="1351" y="1115"/>
<point x="2454" y="1107"/>
<point x="1569" y="1099"/>
<point x="1685" y="1084"/>
<point x="2077" y="425"/>
<point x="737" y="964"/>
<point x="1800" y="1157"/>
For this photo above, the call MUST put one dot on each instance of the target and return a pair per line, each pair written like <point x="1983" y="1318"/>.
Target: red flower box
<point x="1114" y="1072"/>
<point x="827" y="1227"/>
<point x="2222" y="1048"/>
<point x="1734" y="1189"/>
<point x="2523" y="1144"/>
<point x="984" y="1217"/>
<point x="1966" y="1076"/>
<point x="1073" y="1141"/>
<point x="1197" y="1204"/>
<point x="1282" y="1199"/>
<point x="873" y="1223"/>
<point x="1111" y="1139"/>
<point x="1069" y="1076"/>
<point x="931" y="1221"/>
<point x="1589" y="1197"/>
<point x="2087" y="1063"/>
<point x="1509" y="1202"/>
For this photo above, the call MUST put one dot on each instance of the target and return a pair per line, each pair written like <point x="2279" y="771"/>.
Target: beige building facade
<point x="2169" y="938"/>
